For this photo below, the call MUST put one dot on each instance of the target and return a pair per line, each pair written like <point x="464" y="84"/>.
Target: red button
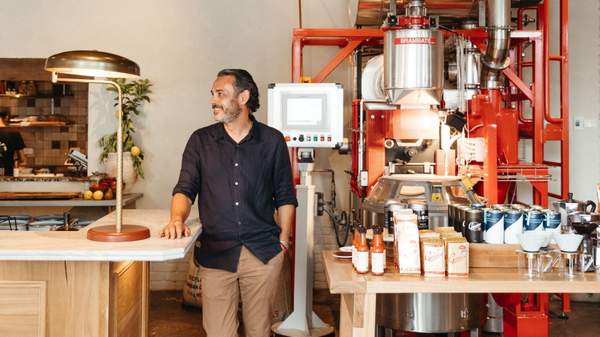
<point x="322" y="138"/>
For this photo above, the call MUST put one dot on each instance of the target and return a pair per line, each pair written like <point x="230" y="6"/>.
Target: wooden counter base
<point x="359" y="292"/>
<point x="92" y="299"/>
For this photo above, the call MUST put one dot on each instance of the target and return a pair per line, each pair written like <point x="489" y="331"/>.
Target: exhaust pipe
<point x="496" y="56"/>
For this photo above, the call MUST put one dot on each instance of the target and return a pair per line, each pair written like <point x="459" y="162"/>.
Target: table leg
<point x="357" y="315"/>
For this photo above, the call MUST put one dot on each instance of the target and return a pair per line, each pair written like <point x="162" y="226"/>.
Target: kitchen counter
<point x="128" y="198"/>
<point x="74" y="246"/>
<point x="59" y="284"/>
<point x="358" y="292"/>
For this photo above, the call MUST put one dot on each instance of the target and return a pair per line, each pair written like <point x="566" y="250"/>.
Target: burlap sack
<point x="192" y="289"/>
<point x="282" y="302"/>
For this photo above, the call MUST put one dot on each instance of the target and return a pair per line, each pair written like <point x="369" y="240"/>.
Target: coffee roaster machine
<point x="449" y="88"/>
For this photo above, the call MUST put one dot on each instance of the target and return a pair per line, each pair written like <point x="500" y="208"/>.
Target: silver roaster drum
<point x="431" y="313"/>
<point x="424" y="313"/>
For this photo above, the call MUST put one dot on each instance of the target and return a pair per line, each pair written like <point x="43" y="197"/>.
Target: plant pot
<point x="129" y="174"/>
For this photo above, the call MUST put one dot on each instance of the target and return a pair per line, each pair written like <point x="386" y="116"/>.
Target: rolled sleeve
<point x="189" y="176"/>
<point x="283" y="188"/>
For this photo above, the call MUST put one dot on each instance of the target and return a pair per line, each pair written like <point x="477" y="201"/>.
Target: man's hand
<point x="175" y="229"/>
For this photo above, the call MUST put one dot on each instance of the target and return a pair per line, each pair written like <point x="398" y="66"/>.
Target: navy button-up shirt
<point x="239" y="186"/>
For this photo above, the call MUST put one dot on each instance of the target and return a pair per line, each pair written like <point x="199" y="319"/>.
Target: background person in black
<point x="11" y="146"/>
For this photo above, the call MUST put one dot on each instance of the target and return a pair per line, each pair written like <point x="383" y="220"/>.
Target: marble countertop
<point x="74" y="246"/>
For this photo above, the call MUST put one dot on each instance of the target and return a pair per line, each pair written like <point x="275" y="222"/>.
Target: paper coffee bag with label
<point x="407" y="244"/>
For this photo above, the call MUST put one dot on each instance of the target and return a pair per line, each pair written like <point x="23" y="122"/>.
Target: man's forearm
<point x="285" y="215"/>
<point x="180" y="207"/>
<point x="20" y="158"/>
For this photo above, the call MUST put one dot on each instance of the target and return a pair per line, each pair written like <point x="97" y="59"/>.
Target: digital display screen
<point x="304" y="111"/>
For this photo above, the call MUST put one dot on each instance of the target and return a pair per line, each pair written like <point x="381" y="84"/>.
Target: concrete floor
<point x="169" y="319"/>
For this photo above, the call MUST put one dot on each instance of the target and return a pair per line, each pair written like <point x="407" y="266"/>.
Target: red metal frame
<point x="492" y="110"/>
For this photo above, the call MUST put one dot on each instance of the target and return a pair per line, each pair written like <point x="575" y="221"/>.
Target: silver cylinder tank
<point x="431" y="313"/>
<point x="413" y="66"/>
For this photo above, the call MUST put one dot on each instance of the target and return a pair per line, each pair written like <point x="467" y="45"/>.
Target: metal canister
<point x="419" y="208"/>
<point x="513" y="225"/>
<point x="473" y="228"/>
<point x="534" y="220"/>
<point x="536" y="208"/>
<point x="500" y="207"/>
<point x="553" y="221"/>
<point x="493" y="226"/>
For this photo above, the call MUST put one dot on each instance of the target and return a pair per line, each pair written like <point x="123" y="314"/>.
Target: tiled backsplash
<point x="51" y="144"/>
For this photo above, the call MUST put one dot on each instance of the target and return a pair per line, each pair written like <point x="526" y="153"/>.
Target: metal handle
<point x="592" y="204"/>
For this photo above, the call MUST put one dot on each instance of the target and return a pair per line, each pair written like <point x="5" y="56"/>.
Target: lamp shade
<point x="92" y="63"/>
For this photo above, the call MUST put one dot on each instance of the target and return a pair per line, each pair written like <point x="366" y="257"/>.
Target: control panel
<point x="308" y="114"/>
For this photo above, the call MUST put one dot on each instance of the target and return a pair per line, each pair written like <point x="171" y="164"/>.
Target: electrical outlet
<point x="579" y="123"/>
<point x="590" y="123"/>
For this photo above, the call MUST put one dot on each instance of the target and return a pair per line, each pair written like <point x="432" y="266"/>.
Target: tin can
<point x="419" y="208"/>
<point x="500" y="207"/>
<point x="461" y="211"/>
<point x="473" y="227"/>
<point x="451" y="215"/>
<point x="553" y="221"/>
<point x="493" y="226"/>
<point x="513" y="226"/>
<point x="536" y="208"/>
<point x="534" y="221"/>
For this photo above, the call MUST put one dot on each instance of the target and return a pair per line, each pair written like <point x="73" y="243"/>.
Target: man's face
<point x="224" y="100"/>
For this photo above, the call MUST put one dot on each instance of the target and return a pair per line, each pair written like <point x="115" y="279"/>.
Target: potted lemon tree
<point x="135" y="94"/>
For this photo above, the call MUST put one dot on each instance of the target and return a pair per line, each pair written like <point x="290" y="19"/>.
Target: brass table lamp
<point x="94" y="64"/>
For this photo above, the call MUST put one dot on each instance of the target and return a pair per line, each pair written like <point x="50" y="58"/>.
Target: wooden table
<point x="358" y="292"/>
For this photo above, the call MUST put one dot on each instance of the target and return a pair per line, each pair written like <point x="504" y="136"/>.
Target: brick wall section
<point x="51" y="144"/>
<point x="170" y="275"/>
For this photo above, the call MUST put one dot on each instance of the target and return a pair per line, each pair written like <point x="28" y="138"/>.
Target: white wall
<point x="584" y="81"/>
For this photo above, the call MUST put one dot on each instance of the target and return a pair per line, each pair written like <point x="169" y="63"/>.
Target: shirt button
<point x="236" y="183"/>
<point x="236" y="164"/>
<point x="239" y="222"/>
<point x="237" y="203"/>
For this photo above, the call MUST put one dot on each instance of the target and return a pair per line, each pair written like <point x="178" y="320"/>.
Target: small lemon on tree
<point x="135" y="94"/>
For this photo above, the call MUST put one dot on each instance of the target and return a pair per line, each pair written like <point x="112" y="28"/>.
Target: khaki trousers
<point x="255" y="282"/>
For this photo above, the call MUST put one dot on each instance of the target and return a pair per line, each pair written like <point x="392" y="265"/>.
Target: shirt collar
<point x="253" y="134"/>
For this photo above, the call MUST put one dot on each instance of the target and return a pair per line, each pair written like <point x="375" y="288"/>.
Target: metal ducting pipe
<point x="496" y="56"/>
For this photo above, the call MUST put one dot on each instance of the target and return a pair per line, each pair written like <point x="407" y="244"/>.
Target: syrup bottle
<point x="377" y="252"/>
<point x="362" y="252"/>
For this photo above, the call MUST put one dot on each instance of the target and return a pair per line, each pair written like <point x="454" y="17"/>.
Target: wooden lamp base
<point x="109" y="233"/>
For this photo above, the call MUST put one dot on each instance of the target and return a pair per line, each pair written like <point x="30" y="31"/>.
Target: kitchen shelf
<point x="35" y="96"/>
<point x="39" y="125"/>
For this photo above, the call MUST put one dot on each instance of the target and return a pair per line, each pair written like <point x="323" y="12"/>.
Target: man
<point x="11" y="146"/>
<point x="241" y="172"/>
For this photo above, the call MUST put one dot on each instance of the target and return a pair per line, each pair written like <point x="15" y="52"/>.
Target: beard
<point x="230" y="114"/>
